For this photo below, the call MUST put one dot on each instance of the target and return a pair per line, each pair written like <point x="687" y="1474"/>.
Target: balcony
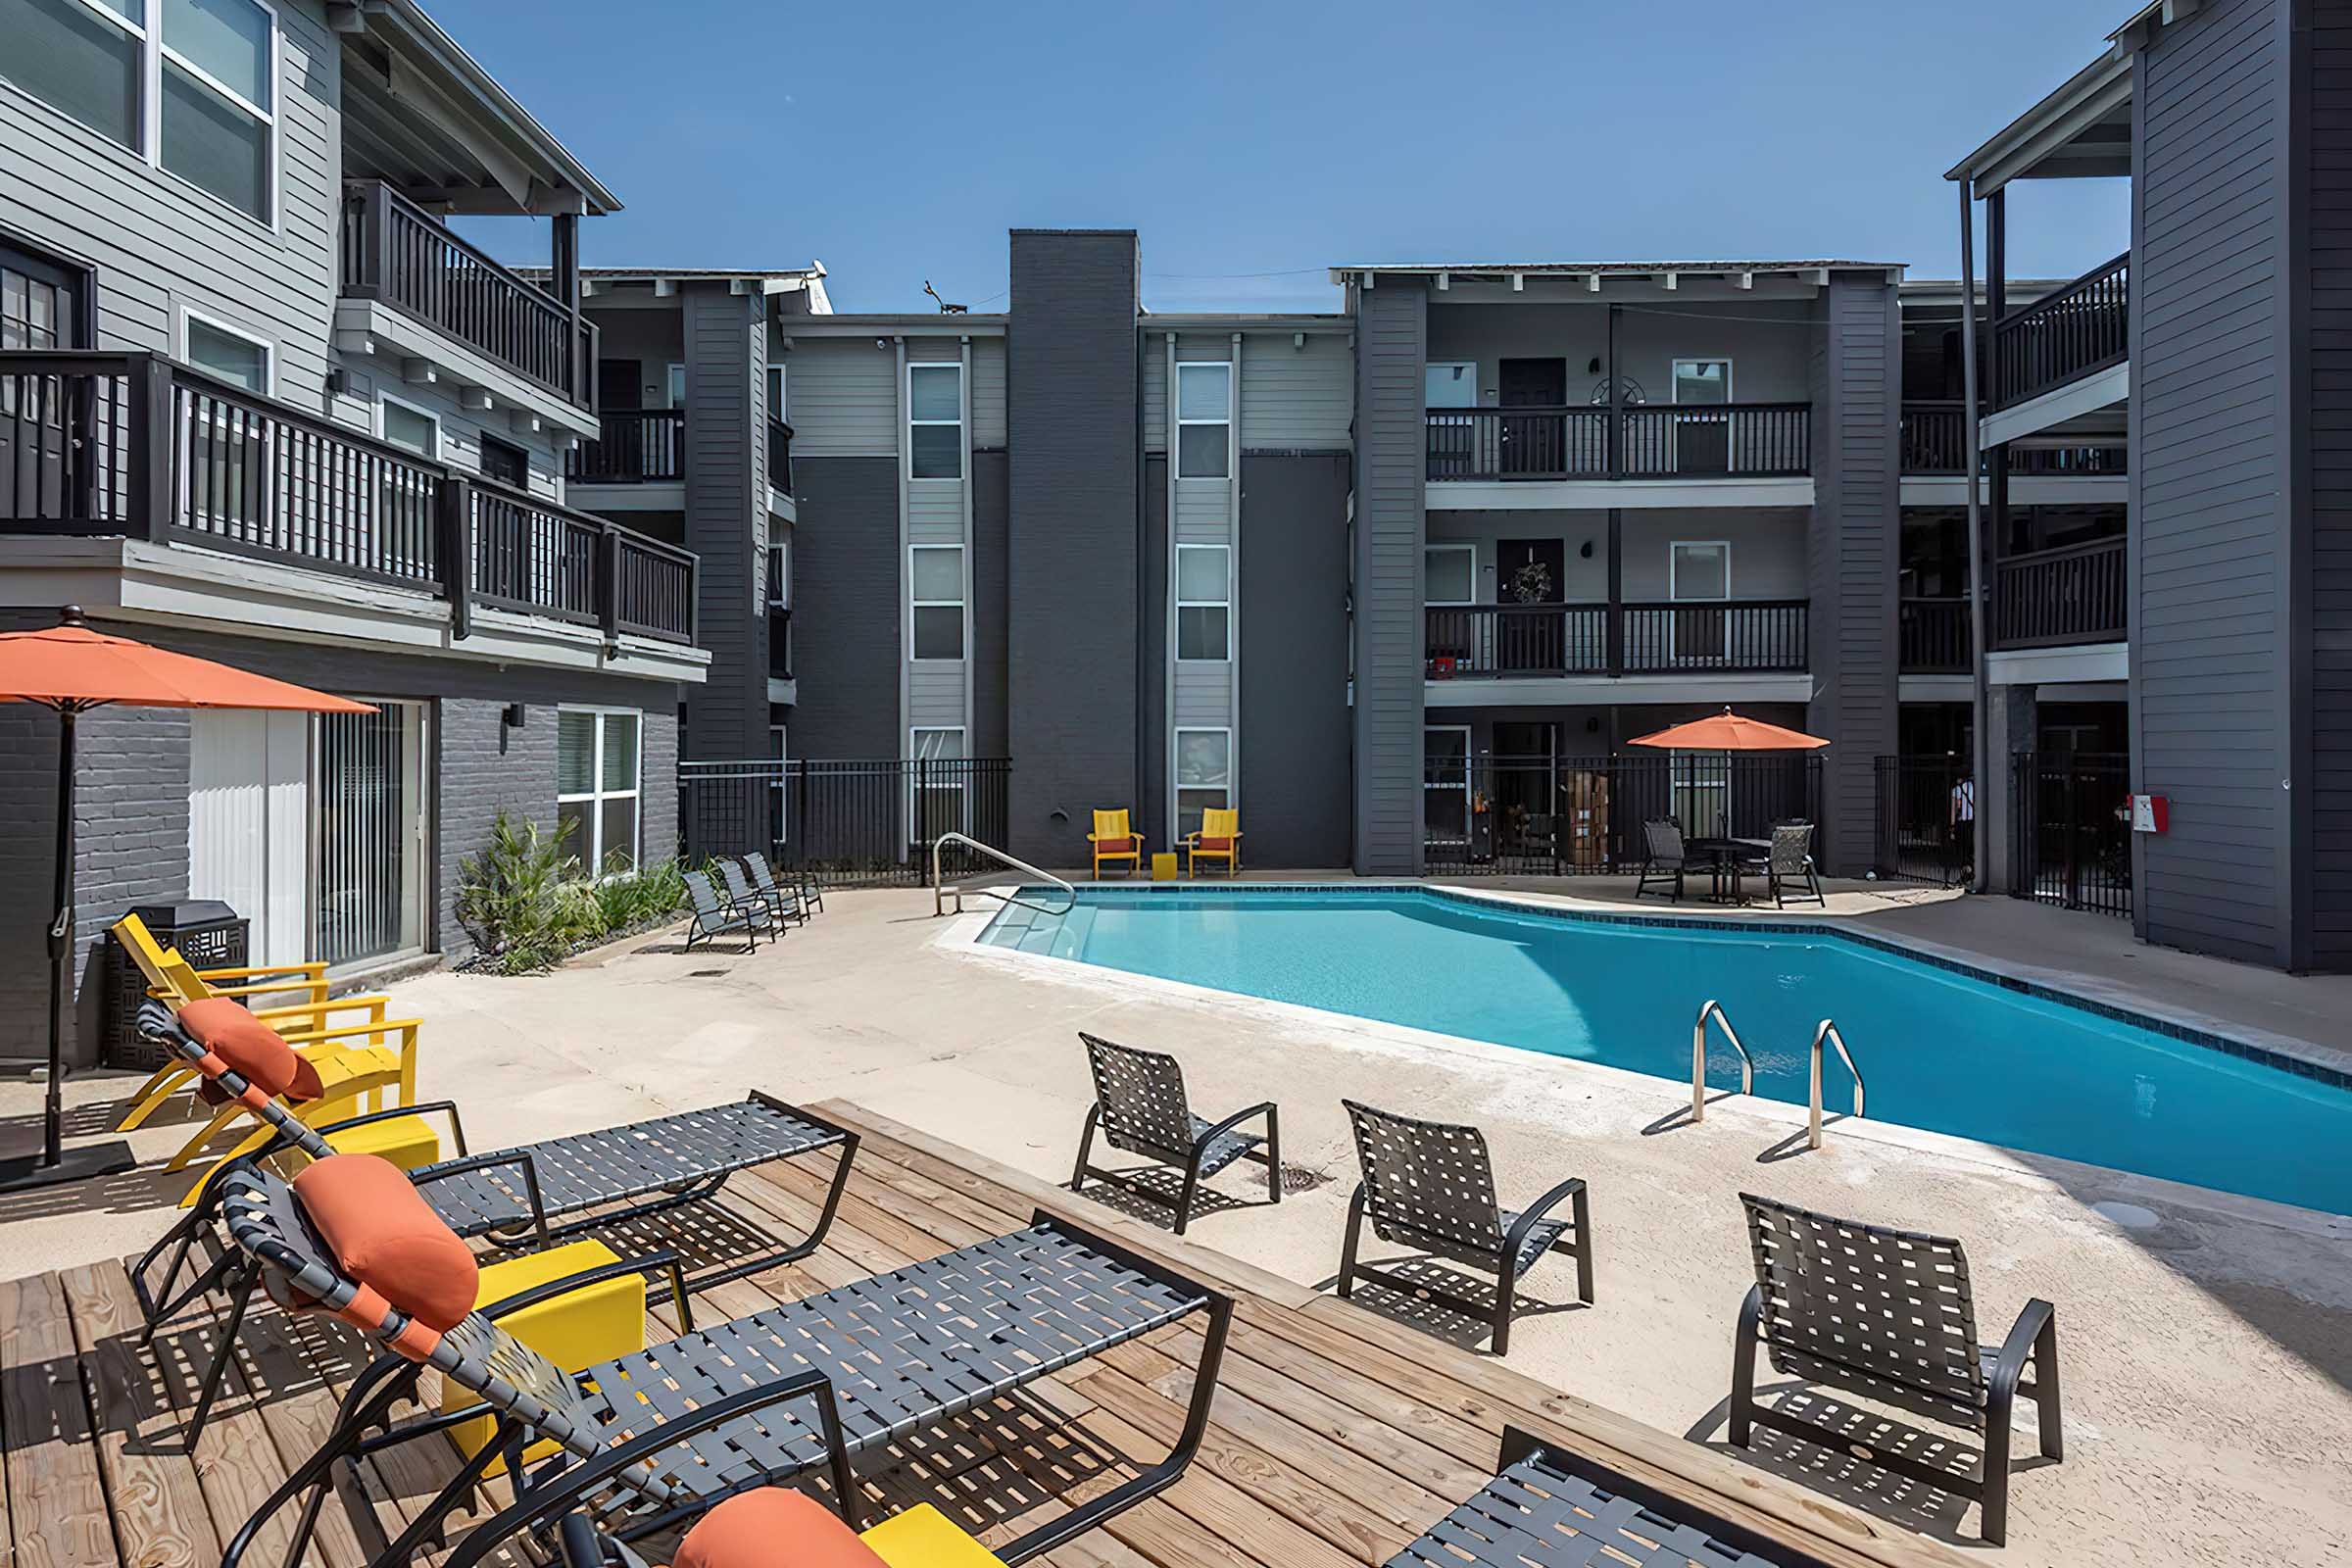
<point x="1505" y="642"/>
<point x="633" y="446"/>
<point x="136" y="447"/>
<point x="1934" y="443"/>
<point x="2081" y="329"/>
<point x="1671" y="441"/>
<point x="1933" y="636"/>
<point x="2057" y="598"/>
<point x="397" y="255"/>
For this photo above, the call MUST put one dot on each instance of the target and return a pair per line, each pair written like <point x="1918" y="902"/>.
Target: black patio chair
<point x="783" y="903"/>
<point x="1663" y="861"/>
<point x="1886" y="1314"/>
<point x="716" y="917"/>
<point x="1429" y="1183"/>
<point x="1141" y="1107"/>
<point x="1788" y="861"/>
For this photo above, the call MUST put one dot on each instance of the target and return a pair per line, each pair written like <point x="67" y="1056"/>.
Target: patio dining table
<point x="1726" y="858"/>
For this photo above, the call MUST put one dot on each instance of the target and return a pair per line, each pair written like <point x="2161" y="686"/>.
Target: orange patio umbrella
<point x="72" y="669"/>
<point x="1727" y="731"/>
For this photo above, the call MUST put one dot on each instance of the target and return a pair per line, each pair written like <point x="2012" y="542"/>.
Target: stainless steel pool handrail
<point x="1698" y="1058"/>
<point x="1828" y="1030"/>
<point x="938" y="885"/>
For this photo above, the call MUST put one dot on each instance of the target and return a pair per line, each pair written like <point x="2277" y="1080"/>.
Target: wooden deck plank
<point x="58" y="1515"/>
<point x="162" y="1514"/>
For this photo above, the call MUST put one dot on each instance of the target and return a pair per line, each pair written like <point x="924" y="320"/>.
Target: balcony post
<point x="1971" y="401"/>
<point x="1612" y="440"/>
<point x="454" y="521"/>
<point x="608" y="583"/>
<point x="1996" y="282"/>
<point x="147" y="490"/>
<point x="1614" y="633"/>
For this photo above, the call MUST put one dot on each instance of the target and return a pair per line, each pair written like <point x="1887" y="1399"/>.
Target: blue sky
<point x="1256" y="144"/>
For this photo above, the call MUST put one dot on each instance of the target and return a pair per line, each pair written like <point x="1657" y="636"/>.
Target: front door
<point x="1529" y="631"/>
<point x="1534" y="445"/>
<point x="44" y="419"/>
<point x="617" y="386"/>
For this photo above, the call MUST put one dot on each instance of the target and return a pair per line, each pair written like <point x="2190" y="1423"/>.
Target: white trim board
<point x="2072" y="401"/>
<point x="1696" y="687"/>
<point x="2039" y="667"/>
<point x="2030" y="490"/>
<point x="1590" y="495"/>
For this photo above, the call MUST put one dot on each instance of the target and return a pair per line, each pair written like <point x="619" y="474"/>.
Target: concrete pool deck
<point x="2206" y="1341"/>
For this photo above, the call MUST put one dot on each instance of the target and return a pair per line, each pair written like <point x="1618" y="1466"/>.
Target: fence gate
<point x="1926" y="830"/>
<point x="848" y="822"/>
<point x="2071" y="829"/>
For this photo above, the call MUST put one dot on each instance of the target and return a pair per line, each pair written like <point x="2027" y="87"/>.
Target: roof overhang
<point x="2082" y="131"/>
<point x="1594" y="276"/>
<point x="428" y="111"/>
<point x="2142" y="23"/>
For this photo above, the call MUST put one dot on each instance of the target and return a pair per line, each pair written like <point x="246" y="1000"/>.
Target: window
<point x="936" y="574"/>
<point x="1204" y="422"/>
<point x="404" y="424"/>
<point x="1702" y="380"/>
<point x="673" y="386"/>
<point x="1203" y="774"/>
<point x="212" y="118"/>
<point x="596" y="785"/>
<point x="935" y="783"/>
<point x="226" y="353"/>
<point x="506" y="462"/>
<point x="775" y="395"/>
<point x="1204" y="602"/>
<point x="1701" y="570"/>
<point x="1450" y="574"/>
<point x="1450" y="384"/>
<point x="935" y="421"/>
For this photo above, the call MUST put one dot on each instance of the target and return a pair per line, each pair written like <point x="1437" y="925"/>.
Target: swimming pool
<point x="1940" y="1049"/>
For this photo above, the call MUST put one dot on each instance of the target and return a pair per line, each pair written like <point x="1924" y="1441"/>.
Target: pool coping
<point x="964" y="933"/>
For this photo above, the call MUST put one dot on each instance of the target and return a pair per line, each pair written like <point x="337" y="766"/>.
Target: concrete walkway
<point x="2207" y="1345"/>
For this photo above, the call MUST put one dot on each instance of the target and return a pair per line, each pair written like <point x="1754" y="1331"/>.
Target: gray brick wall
<point x="658" y="797"/>
<point x="488" y="766"/>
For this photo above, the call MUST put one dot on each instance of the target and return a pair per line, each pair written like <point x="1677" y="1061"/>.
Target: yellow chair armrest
<point x="307" y="969"/>
<point x="345" y="1031"/>
<point x="376" y="1008"/>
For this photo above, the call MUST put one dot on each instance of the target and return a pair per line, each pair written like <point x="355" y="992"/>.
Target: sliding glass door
<point x="367" y="833"/>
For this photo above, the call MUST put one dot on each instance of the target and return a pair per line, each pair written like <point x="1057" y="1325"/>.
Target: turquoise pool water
<point x="1939" y="1050"/>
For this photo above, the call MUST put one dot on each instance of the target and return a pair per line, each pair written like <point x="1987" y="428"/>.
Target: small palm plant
<point x="512" y="896"/>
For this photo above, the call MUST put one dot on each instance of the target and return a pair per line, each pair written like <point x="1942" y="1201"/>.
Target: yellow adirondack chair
<point x="1218" y="838"/>
<point x="1114" y="839"/>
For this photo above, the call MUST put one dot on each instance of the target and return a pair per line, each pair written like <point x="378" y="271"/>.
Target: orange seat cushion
<point x="1115" y="846"/>
<point x="773" y="1528"/>
<point x="252" y="1048"/>
<point x="1216" y="844"/>
<point x="386" y="1236"/>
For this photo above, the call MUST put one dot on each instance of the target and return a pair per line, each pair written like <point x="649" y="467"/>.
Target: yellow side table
<point x="576" y="1330"/>
<point x="1163" y="866"/>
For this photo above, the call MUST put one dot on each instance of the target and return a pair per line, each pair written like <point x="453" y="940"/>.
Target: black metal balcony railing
<point x="2083" y="329"/>
<point x="1480" y="641"/>
<point x="636" y="446"/>
<point x="1933" y="635"/>
<point x="135" y="445"/>
<point x="2051" y="598"/>
<point x="1667" y="441"/>
<point x="396" y="252"/>
<point x="779" y="456"/>
<point x="1935" y="441"/>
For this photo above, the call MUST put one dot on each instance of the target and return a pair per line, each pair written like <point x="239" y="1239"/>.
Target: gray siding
<point x="1152" y="800"/>
<point x="2326" y="166"/>
<point x="988" y="392"/>
<point x="1297" y="399"/>
<point x="2211" y="642"/>
<point x="1075" y="520"/>
<point x="1392" y="337"/>
<point x="726" y="517"/>
<point x="844" y="618"/>
<point x="845" y="399"/>
<point x="1854" y="553"/>
<point x="1295" y="771"/>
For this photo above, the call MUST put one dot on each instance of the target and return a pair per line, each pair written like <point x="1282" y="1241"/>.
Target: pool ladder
<point x="1826" y="1033"/>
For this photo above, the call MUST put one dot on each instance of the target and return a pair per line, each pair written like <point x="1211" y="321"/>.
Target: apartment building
<point x="258" y="401"/>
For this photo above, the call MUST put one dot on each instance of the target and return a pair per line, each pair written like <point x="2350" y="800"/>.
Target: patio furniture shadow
<point x="1464" y="1331"/>
<point x="1151" y="1193"/>
<point x="1845" y="1475"/>
<point x="129" y="1191"/>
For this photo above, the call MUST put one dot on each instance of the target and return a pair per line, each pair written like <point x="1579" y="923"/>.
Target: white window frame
<point x="1177" y="788"/>
<point x="1225" y="604"/>
<point x="1470" y="549"/>
<point x="960" y="604"/>
<point x="592" y="855"/>
<point x="1674" y="378"/>
<point x="962" y="408"/>
<point x="673" y="383"/>
<point x="1468" y="365"/>
<point x="189" y="315"/>
<point x="1232" y="402"/>
<point x="418" y="409"/>
<point x="147" y="114"/>
<point x="1674" y="575"/>
<point x="914" y="748"/>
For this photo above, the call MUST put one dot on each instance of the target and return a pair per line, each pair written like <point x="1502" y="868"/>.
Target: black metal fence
<point x="847" y="822"/>
<point x="1583" y="815"/>
<point x="2070" y="816"/>
<point x="1927" y="826"/>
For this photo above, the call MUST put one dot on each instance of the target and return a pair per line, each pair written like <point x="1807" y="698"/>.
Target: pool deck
<point x="2207" y="1341"/>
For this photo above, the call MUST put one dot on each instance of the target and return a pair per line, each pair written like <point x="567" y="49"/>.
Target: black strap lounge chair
<point x="1429" y="1183"/>
<point x="744" y="899"/>
<point x="1886" y="1314"/>
<point x="1663" y="862"/>
<point x="1551" y="1508"/>
<point x="1139" y="1106"/>
<point x="1788" y="864"/>
<point x="717" y="915"/>
<point x="531" y="1197"/>
<point x="659" y="1436"/>
<point x="784" y="901"/>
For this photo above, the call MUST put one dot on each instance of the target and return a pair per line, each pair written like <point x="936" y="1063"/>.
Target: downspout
<point x="1973" y="461"/>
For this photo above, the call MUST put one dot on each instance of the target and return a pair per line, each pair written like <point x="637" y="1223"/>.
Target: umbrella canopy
<point x="72" y="666"/>
<point x="1727" y="731"/>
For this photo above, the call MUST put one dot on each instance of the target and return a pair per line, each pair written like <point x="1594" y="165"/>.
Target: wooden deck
<point x="1337" y="1436"/>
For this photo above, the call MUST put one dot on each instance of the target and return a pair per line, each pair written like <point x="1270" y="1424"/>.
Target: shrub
<point x="633" y="897"/>
<point x="511" y="896"/>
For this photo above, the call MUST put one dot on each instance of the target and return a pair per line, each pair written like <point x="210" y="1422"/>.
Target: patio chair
<point x="744" y="900"/>
<point x="1429" y="1183"/>
<point x="1886" y="1314"/>
<point x="659" y="1436"/>
<point x="1663" y="860"/>
<point x="742" y="1532"/>
<point x="1141" y="1108"/>
<point x="1114" y="839"/>
<point x="1218" y="838"/>
<point x="1549" y="1506"/>
<point x="786" y="903"/>
<point x="1790" y="862"/>
<point x="716" y="917"/>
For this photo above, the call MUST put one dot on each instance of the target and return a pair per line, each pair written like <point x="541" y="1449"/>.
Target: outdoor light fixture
<point x="515" y="714"/>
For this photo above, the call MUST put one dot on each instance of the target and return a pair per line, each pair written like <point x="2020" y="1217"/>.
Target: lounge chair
<point x="746" y="900"/>
<point x="1115" y="839"/>
<point x="1790" y="861"/>
<point x="1141" y="1107"/>
<point x="787" y="902"/>
<point x="1218" y="838"/>
<point x="742" y="1532"/>
<point x="1551" y="1508"/>
<point x="1429" y="1183"/>
<point x="1663" y="861"/>
<point x="1886" y="1314"/>
<point x="716" y="917"/>
<point x="654" y="1438"/>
